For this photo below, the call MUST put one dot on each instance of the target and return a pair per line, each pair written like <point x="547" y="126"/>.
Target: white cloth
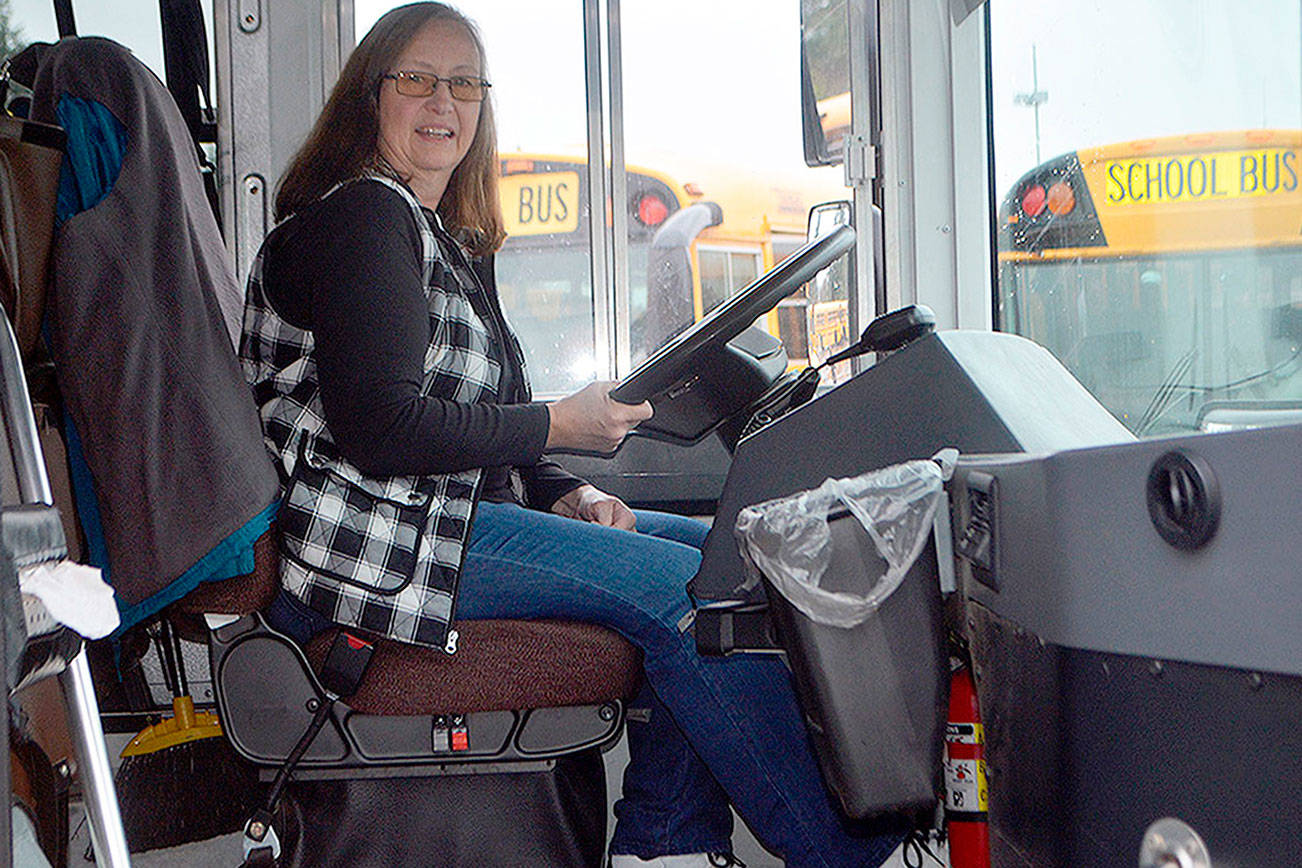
<point x="74" y="594"/>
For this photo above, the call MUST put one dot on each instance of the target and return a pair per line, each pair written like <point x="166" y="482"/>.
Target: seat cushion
<point x="240" y="595"/>
<point x="236" y="596"/>
<point x="499" y="666"/>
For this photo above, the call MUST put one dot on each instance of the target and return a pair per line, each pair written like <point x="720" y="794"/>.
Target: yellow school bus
<point x="695" y="237"/>
<point x="1165" y="273"/>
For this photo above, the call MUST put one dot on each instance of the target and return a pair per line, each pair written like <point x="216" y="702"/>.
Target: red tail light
<point x="652" y="210"/>
<point x="1061" y="198"/>
<point x="1033" y="200"/>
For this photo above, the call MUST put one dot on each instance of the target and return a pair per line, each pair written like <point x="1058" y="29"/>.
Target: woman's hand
<point x="591" y="421"/>
<point x="589" y="503"/>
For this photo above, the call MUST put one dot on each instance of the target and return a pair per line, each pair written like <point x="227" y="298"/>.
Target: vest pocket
<point x="360" y="532"/>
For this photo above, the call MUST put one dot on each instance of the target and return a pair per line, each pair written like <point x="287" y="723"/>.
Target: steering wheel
<point x="674" y="363"/>
<point x="720" y="365"/>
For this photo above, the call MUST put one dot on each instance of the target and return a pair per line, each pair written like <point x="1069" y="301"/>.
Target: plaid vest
<point x="380" y="554"/>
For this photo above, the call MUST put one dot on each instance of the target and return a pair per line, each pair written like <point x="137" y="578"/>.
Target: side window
<point x="1148" y="226"/>
<point x="707" y="166"/>
<point x="134" y="23"/>
<point x="723" y="272"/>
<point x="29" y="22"/>
<point x="714" y="278"/>
<point x="793" y="325"/>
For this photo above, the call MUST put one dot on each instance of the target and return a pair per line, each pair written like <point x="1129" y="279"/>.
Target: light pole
<point x="1034" y="99"/>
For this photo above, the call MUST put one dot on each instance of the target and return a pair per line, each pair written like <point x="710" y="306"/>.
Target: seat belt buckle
<point x="345" y="664"/>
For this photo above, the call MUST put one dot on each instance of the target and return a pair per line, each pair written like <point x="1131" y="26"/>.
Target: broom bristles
<point x="188" y="792"/>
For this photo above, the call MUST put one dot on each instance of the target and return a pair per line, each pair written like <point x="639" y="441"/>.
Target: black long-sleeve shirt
<point x="349" y="269"/>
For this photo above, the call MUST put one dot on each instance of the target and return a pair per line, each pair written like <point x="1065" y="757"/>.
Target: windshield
<point x="546" y="293"/>
<point x="1150" y="201"/>
<point x="1161" y="339"/>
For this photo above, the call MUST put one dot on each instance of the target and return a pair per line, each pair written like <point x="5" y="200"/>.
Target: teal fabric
<point x="231" y="557"/>
<point x="83" y="492"/>
<point x="97" y="143"/>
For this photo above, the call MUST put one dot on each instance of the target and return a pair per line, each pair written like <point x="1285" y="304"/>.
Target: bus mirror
<point x="824" y="79"/>
<point x="826" y="217"/>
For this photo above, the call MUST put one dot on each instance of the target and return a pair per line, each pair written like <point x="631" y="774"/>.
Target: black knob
<point x="1184" y="499"/>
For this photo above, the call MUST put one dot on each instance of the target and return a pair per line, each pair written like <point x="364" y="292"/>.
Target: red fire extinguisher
<point x="966" y="793"/>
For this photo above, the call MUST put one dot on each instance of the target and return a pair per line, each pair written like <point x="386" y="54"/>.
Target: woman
<point x="394" y="397"/>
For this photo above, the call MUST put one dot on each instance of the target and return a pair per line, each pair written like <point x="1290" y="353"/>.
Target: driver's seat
<point x="488" y="756"/>
<point x="532" y="704"/>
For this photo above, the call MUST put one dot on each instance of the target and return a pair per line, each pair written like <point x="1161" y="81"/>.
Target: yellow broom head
<point x="185" y="725"/>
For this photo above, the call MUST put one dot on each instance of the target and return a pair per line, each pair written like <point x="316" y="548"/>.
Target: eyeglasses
<point x="463" y="87"/>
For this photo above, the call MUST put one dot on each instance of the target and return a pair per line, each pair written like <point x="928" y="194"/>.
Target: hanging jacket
<point x="141" y="313"/>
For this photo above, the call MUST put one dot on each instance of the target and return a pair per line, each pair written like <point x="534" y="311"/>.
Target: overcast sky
<point x="1118" y="70"/>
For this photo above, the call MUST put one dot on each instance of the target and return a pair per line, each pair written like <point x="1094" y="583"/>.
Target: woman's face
<point x="425" y="138"/>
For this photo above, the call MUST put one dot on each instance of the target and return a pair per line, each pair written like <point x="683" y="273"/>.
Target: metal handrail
<point x="106" y="832"/>
<point x="24" y="443"/>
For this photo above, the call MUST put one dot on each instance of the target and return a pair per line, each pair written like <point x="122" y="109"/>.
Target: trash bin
<point x="850" y="571"/>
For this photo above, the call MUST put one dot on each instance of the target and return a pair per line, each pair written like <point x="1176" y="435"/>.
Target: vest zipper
<point x="450" y="644"/>
<point x="498" y="331"/>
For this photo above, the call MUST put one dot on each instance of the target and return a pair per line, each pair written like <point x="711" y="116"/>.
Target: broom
<point x="180" y="780"/>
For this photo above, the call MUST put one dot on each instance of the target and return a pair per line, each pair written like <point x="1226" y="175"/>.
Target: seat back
<point x="141" y="322"/>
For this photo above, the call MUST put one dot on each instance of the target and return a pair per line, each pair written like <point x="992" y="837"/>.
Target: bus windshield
<point x="1164" y="269"/>
<point x="1166" y="275"/>
<point x="544" y="272"/>
<point x="692" y="244"/>
<point x="717" y="188"/>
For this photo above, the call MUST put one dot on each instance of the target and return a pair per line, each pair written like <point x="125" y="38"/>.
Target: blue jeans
<point x="702" y="731"/>
<point x="715" y="726"/>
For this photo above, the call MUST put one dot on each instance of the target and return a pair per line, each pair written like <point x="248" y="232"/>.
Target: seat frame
<point x="65" y="654"/>
<point x="267" y="694"/>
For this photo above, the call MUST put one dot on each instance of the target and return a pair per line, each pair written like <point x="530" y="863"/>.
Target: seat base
<point x="540" y="818"/>
<point x="267" y="694"/>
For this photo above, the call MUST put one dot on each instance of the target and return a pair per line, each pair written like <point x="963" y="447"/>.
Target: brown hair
<point x="343" y="144"/>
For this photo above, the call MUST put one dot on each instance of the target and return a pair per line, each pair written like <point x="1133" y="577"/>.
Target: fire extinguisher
<point x="966" y="793"/>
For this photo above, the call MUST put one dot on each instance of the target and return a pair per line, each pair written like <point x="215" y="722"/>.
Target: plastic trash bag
<point x="787" y="540"/>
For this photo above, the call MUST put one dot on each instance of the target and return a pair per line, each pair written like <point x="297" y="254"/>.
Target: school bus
<point x="1165" y="273"/>
<point x="692" y="243"/>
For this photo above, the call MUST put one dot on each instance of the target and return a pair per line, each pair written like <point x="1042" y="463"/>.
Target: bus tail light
<point x="652" y="210"/>
<point x="1061" y="199"/>
<point x="1033" y="201"/>
<point x="1050" y="207"/>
